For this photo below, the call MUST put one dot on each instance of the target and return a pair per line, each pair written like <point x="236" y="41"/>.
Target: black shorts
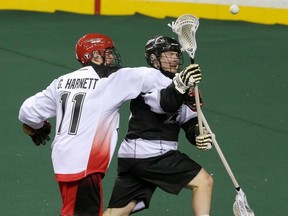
<point x="83" y="197"/>
<point x="138" y="178"/>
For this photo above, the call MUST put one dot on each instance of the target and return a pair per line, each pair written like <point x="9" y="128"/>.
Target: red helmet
<point x="95" y="42"/>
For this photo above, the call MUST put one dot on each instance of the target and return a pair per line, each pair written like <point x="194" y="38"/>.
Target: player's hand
<point x="39" y="136"/>
<point x="187" y="78"/>
<point x="190" y="99"/>
<point x="203" y="141"/>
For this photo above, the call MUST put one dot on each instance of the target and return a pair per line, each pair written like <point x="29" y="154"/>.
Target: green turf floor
<point x="244" y="86"/>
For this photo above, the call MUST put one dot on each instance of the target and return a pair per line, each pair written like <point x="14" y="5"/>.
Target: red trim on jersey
<point x="97" y="8"/>
<point x="99" y="157"/>
<point x="70" y="177"/>
<point x="100" y="152"/>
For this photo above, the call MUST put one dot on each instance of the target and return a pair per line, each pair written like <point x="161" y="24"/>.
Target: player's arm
<point x="189" y="128"/>
<point x="175" y="94"/>
<point x="170" y="99"/>
<point x="34" y="113"/>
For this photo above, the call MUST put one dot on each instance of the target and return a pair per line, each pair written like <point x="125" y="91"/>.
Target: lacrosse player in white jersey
<point x="148" y="157"/>
<point x="86" y="105"/>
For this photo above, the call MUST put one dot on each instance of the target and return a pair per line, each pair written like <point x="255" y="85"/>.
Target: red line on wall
<point x="97" y="5"/>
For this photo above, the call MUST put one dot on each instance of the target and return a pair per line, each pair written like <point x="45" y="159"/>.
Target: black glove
<point x="39" y="136"/>
<point x="190" y="99"/>
<point x="187" y="78"/>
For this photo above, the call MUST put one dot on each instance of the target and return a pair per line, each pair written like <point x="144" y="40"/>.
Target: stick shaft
<point x="197" y="100"/>
<point x="198" y="107"/>
<point x="202" y="120"/>
<point x="219" y="151"/>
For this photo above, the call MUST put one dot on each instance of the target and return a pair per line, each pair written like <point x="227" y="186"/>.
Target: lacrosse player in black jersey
<point x="148" y="157"/>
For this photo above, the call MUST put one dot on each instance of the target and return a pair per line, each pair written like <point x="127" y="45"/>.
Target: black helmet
<point x="158" y="45"/>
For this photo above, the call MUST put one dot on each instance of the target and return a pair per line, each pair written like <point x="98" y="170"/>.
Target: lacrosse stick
<point x="240" y="206"/>
<point x="185" y="27"/>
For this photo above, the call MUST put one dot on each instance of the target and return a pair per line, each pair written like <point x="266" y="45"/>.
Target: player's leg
<point x="202" y="186"/>
<point x="89" y="200"/>
<point x="125" y="211"/>
<point x="174" y="171"/>
<point x="68" y="192"/>
<point x="130" y="193"/>
<point x="83" y="197"/>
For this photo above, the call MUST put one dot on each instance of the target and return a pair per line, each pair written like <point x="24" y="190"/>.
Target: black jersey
<point x="152" y="133"/>
<point x="145" y="124"/>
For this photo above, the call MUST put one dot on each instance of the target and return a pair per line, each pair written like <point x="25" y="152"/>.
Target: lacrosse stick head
<point x="185" y="27"/>
<point x="241" y="206"/>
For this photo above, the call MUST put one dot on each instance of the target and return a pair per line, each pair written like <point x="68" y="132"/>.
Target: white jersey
<point x="87" y="115"/>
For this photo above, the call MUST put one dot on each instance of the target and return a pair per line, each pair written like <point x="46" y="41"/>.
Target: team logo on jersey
<point x="172" y="118"/>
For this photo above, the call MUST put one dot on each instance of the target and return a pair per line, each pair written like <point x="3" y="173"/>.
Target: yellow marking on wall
<point x="208" y="11"/>
<point x="75" y="6"/>
<point x="262" y="15"/>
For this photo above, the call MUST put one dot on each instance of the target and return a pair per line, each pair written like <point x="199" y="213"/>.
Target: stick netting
<point x="241" y="206"/>
<point x="185" y="27"/>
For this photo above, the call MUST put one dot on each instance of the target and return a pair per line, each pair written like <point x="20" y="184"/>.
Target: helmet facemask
<point x="107" y="57"/>
<point x="163" y="53"/>
<point x="170" y="61"/>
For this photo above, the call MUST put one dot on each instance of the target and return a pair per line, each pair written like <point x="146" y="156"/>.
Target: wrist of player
<point x="190" y="99"/>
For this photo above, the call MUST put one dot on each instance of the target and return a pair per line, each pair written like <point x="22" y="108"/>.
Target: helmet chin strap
<point x="104" y="60"/>
<point x="167" y="73"/>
